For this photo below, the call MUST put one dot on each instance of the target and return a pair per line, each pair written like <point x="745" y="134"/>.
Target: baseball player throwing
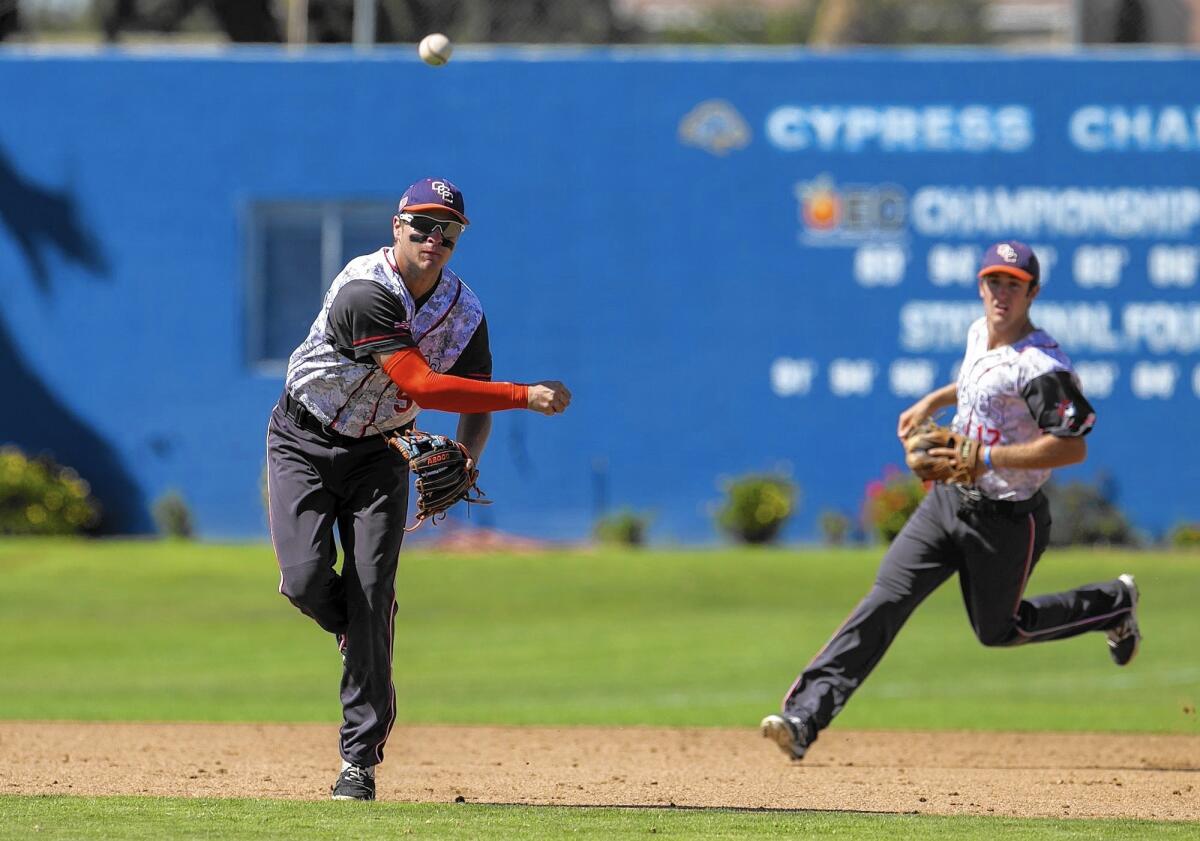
<point x="398" y="332"/>
<point x="1020" y="413"/>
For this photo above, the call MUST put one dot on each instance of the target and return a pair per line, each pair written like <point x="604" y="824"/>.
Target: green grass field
<point x="218" y="820"/>
<point x="168" y="631"/>
<point x="108" y="630"/>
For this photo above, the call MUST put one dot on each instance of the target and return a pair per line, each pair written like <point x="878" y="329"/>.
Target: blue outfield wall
<point x="737" y="260"/>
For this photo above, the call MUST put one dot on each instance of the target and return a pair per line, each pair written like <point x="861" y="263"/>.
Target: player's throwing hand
<point x="549" y="397"/>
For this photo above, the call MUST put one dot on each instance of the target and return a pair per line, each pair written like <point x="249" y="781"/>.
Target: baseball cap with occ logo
<point x="1011" y="258"/>
<point x="434" y="194"/>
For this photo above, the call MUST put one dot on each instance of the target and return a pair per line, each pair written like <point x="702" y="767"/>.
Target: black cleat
<point x="790" y="732"/>
<point x="1125" y="639"/>
<point x="354" y="783"/>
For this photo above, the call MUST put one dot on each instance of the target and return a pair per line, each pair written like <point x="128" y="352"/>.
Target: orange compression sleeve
<point x="431" y="390"/>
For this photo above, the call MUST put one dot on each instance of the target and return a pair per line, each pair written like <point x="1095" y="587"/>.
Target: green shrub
<point x="835" y="527"/>
<point x="757" y="506"/>
<point x="890" y="501"/>
<point x="1185" y="536"/>
<point x="173" y="517"/>
<point x="1085" y="513"/>
<point x="40" y="497"/>
<point x="622" y="528"/>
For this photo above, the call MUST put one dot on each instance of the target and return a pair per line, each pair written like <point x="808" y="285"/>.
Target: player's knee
<point x="999" y="636"/>
<point x="307" y="586"/>
<point x="294" y="593"/>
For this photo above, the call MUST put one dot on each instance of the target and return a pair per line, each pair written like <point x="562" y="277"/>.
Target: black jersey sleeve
<point x="476" y="359"/>
<point x="366" y="318"/>
<point x="1058" y="405"/>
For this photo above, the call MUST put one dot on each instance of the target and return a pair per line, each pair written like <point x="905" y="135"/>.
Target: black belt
<point x="973" y="500"/>
<point x="309" y="421"/>
<point x="306" y="420"/>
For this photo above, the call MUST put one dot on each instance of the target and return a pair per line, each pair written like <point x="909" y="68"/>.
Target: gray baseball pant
<point x="993" y="547"/>
<point x="316" y="479"/>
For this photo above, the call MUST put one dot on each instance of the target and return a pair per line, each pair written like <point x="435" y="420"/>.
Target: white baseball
<point x="435" y="49"/>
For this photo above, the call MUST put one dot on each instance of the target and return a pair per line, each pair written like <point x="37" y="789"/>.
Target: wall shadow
<point x="42" y="220"/>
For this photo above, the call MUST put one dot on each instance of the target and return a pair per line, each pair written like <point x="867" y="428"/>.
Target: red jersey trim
<point x="376" y="338"/>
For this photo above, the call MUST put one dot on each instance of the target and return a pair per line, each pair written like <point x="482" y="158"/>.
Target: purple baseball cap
<point x="1012" y="258"/>
<point x="434" y="194"/>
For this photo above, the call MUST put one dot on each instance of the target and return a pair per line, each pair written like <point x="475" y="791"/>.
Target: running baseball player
<point x="398" y="332"/>
<point x="1020" y="413"/>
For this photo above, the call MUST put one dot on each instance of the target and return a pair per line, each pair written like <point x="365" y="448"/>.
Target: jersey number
<point x="987" y="435"/>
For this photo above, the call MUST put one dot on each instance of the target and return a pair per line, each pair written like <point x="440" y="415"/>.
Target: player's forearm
<point x="945" y="396"/>
<point x="1046" y="452"/>
<point x="431" y="390"/>
<point x="473" y="432"/>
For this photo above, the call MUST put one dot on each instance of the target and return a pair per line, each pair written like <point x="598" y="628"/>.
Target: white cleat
<point x="790" y="732"/>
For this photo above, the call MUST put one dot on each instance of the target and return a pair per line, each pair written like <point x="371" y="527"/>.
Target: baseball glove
<point x="444" y="470"/>
<point x="960" y="468"/>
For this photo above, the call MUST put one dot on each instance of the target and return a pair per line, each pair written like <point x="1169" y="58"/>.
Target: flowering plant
<point x="890" y="501"/>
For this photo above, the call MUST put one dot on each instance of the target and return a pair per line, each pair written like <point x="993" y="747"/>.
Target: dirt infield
<point x="1017" y="774"/>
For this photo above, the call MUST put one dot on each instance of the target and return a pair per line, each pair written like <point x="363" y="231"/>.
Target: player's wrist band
<point x="987" y="457"/>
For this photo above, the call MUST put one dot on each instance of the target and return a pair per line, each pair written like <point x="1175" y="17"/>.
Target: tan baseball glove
<point x="958" y="461"/>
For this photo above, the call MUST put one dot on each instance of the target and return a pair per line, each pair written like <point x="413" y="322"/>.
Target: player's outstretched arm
<point x="430" y="390"/>
<point x="945" y="396"/>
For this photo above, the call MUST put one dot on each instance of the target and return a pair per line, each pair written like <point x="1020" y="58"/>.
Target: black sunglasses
<point x="426" y="225"/>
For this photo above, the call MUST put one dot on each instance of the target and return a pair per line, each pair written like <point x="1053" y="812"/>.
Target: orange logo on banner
<point x="822" y="209"/>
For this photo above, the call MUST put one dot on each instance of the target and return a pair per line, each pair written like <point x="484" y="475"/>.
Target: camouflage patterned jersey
<point x="369" y="310"/>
